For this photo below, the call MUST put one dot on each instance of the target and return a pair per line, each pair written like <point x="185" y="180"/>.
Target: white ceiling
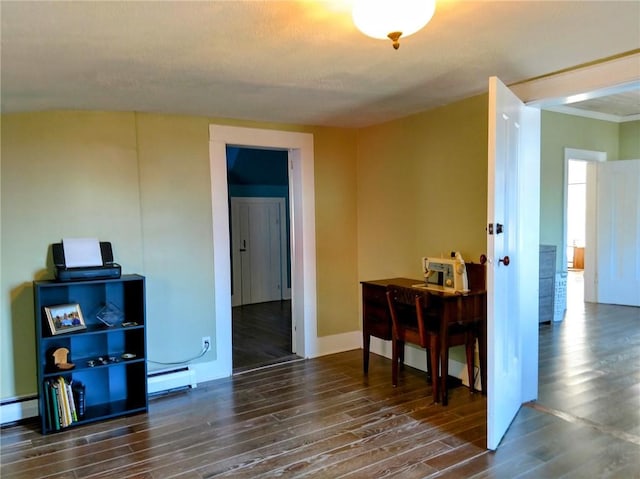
<point x="297" y="62"/>
<point x="619" y="107"/>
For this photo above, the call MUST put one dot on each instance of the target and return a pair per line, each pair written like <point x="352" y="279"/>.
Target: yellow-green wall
<point x="630" y="140"/>
<point x="142" y="182"/>
<point x="422" y="189"/>
<point x="63" y="175"/>
<point x="336" y="230"/>
<point x="385" y="196"/>
<point x="559" y="131"/>
<point x="173" y="157"/>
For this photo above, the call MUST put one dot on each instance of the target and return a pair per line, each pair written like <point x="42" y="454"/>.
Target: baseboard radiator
<point x="17" y="409"/>
<point x="14" y="410"/>
<point x="169" y="380"/>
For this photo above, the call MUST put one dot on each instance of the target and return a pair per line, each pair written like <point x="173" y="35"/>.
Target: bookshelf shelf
<point x="109" y="362"/>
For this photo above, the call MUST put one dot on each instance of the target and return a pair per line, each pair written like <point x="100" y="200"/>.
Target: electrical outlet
<point x="206" y="343"/>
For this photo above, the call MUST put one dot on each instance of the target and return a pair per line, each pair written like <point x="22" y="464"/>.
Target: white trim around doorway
<point x="591" y="234"/>
<point x="303" y="240"/>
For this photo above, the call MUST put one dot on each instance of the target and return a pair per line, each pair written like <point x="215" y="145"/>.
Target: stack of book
<point x="64" y="402"/>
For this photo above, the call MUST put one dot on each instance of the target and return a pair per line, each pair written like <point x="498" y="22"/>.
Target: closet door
<point x="618" y="219"/>
<point x="257" y="251"/>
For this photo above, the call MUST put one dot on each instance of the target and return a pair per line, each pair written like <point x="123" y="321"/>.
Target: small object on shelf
<point x="128" y="356"/>
<point x="129" y="323"/>
<point x="79" y="392"/>
<point x="64" y="318"/>
<point x="60" y="360"/>
<point x="110" y="315"/>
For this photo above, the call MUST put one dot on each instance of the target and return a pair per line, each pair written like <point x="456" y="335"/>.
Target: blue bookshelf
<point x="108" y="378"/>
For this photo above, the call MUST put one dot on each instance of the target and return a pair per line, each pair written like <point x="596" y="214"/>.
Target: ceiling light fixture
<point x="392" y="18"/>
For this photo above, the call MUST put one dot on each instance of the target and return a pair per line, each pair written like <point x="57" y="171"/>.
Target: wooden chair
<point x="417" y="319"/>
<point x="406" y="327"/>
<point x="449" y="334"/>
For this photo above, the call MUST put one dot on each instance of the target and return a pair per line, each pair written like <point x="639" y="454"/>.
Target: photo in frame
<point x="64" y="318"/>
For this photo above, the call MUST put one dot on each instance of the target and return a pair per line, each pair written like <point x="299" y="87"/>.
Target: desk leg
<point x="366" y="344"/>
<point x="433" y="355"/>
<point x="470" y="347"/>
<point x="482" y="353"/>
<point x="444" y="367"/>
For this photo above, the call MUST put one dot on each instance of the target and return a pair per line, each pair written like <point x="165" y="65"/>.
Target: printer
<point x="84" y="259"/>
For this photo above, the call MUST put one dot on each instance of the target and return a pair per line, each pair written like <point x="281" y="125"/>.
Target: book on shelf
<point x="61" y="404"/>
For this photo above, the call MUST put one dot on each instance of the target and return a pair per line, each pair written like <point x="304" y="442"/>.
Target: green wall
<point x="385" y="196"/>
<point x="422" y="189"/>
<point x="560" y="131"/>
<point x="630" y="140"/>
<point x="142" y="181"/>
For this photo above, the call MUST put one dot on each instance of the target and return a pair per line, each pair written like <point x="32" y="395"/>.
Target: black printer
<point x="108" y="269"/>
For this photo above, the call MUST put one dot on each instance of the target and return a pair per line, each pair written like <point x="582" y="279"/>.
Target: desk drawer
<point x="376" y="320"/>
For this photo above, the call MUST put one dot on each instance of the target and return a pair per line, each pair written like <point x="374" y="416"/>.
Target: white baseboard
<point x="171" y="379"/>
<point x="338" y="343"/>
<point x="417" y="358"/>
<point x="211" y="370"/>
<point x="18" y="409"/>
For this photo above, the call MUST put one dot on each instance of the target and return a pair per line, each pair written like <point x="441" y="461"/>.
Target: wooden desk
<point x="450" y="307"/>
<point x="376" y="320"/>
<point x="469" y="309"/>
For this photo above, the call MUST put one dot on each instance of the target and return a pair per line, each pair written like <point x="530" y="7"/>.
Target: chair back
<point x="477" y="276"/>
<point x="405" y="324"/>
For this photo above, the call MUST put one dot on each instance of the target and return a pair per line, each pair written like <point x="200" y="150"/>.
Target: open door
<point x="618" y="220"/>
<point x="513" y="208"/>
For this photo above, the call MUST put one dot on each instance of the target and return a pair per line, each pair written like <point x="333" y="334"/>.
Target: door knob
<point x="504" y="261"/>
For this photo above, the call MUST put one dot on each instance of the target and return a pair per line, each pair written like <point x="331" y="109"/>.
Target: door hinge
<point x="499" y="228"/>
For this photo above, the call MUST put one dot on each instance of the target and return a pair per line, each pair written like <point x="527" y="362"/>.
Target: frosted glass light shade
<point x="379" y="18"/>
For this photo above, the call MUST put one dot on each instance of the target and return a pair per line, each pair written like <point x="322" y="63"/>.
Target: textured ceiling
<point x="623" y="105"/>
<point x="288" y="61"/>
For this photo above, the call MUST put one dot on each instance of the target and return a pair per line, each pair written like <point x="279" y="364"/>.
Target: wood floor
<point x="322" y="418"/>
<point x="261" y="334"/>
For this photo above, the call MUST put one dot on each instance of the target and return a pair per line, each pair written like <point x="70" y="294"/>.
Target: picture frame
<point x="64" y="318"/>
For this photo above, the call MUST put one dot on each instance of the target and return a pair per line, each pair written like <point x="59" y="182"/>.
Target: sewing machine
<point x="445" y="274"/>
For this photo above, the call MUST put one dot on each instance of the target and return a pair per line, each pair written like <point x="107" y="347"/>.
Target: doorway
<point x="579" y="230"/>
<point x="299" y="147"/>
<point x="576" y="216"/>
<point x="576" y="213"/>
<point x="258" y="186"/>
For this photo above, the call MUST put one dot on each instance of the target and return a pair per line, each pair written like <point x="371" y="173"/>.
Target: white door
<point x="257" y="252"/>
<point x="512" y="249"/>
<point x="618" y="220"/>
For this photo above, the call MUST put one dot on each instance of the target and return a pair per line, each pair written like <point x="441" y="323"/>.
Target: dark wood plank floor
<point x="261" y="334"/>
<point x="322" y="418"/>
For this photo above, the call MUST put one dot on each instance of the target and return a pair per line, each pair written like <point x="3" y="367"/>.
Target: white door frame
<point x="303" y="234"/>
<point x="591" y="233"/>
